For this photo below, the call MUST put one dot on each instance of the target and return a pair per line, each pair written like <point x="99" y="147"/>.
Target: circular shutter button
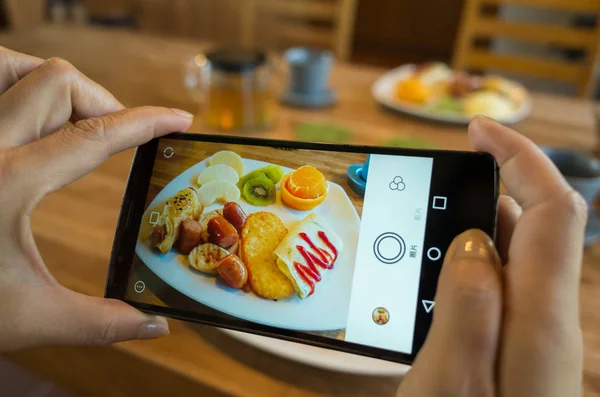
<point x="389" y="248"/>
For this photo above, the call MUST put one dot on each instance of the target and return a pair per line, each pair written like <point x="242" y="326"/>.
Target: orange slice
<point x="297" y="203"/>
<point x="412" y="90"/>
<point x="307" y="182"/>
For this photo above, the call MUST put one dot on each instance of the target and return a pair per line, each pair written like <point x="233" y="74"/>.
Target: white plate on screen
<point x="383" y="92"/>
<point x="326" y="309"/>
<point x="322" y="358"/>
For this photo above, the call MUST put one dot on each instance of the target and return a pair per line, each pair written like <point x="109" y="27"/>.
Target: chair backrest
<point x="25" y="14"/>
<point x="109" y="8"/>
<point x="478" y="24"/>
<point x="319" y="23"/>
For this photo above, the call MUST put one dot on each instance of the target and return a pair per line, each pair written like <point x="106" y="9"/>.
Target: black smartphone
<point x="336" y="246"/>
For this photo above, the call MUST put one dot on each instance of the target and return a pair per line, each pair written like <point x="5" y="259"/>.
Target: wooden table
<point x="74" y="228"/>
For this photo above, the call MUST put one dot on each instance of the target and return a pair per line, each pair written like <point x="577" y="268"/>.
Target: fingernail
<point x="483" y="117"/>
<point x="155" y="328"/>
<point x="475" y="244"/>
<point x="183" y="113"/>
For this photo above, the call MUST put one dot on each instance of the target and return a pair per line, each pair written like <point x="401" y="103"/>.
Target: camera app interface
<point x="325" y="243"/>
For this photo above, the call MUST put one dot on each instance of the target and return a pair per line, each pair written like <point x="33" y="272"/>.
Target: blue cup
<point x="580" y="170"/>
<point x="309" y="70"/>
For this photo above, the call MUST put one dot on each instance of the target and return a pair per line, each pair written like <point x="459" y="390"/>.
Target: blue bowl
<point x="355" y="178"/>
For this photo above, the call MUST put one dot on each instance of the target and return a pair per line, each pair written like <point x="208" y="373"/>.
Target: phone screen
<point x="339" y="246"/>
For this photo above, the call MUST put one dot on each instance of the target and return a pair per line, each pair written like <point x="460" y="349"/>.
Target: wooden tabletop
<point x="74" y="227"/>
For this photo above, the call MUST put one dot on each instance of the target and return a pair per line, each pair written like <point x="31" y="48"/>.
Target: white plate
<point x="322" y="358"/>
<point x="326" y="309"/>
<point x="383" y="92"/>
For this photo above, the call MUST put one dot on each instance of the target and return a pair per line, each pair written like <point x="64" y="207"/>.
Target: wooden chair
<point x="25" y="14"/>
<point x="319" y="23"/>
<point x="217" y="21"/>
<point x="477" y="24"/>
<point x="109" y="8"/>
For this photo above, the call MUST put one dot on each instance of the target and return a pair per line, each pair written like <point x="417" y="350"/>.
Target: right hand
<point x="512" y="330"/>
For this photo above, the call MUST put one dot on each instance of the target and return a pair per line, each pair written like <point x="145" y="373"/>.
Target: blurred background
<point x="402" y="73"/>
<point x="379" y="32"/>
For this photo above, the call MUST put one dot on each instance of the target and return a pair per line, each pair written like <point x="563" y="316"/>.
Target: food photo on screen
<point x="274" y="236"/>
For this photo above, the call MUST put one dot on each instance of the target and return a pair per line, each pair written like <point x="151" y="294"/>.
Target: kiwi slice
<point x="247" y="177"/>
<point x="273" y="172"/>
<point x="259" y="190"/>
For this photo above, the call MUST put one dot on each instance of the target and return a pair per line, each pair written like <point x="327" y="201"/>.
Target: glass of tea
<point x="234" y="89"/>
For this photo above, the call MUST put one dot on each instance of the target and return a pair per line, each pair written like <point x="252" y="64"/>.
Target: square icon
<point x="154" y="218"/>
<point x="439" y="202"/>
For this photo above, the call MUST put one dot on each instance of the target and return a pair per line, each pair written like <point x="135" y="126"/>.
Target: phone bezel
<point x="133" y="206"/>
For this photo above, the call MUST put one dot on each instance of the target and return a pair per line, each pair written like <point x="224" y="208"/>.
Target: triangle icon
<point x="428" y="305"/>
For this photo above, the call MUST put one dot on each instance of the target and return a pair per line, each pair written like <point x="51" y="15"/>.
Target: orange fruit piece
<point x="307" y="182"/>
<point x="298" y="203"/>
<point x="412" y="90"/>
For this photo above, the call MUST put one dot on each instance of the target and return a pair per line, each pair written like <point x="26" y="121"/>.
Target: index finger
<point x="70" y="153"/>
<point x="546" y="246"/>
<point x="14" y="66"/>
<point x="528" y="174"/>
<point x="49" y="97"/>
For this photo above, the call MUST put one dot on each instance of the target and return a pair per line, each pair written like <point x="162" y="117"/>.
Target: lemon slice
<point x="218" y="172"/>
<point x="221" y="191"/>
<point x="229" y="158"/>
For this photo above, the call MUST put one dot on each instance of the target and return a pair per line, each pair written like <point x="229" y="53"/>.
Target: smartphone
<point x="335" y="246"/>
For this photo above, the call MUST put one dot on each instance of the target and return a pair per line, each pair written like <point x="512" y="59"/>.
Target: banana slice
<point x="206" y="257"/>
<point x="218" y="172"/>
<point x="221" y="191"/>
<point x="229" y="158"/>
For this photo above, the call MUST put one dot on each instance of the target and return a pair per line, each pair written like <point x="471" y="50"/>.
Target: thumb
<point x="459" y="355"/>
<point x="85" y="320"/>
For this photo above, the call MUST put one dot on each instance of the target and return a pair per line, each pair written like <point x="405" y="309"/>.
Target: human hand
<point x="56" y="125"/>
<point x="511" y="330"/>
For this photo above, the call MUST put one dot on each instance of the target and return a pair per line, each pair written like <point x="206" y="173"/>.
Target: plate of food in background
<point x="255" y="240"/>
<point x="436" y="92"/>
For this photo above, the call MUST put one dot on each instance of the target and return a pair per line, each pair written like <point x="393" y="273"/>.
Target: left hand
<point x="56" y="125"/>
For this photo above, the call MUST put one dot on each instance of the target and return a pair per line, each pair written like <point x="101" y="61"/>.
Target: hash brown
<point x="261" y="235"/>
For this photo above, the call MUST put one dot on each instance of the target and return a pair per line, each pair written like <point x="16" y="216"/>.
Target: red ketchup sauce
<point x="315" y="257"/>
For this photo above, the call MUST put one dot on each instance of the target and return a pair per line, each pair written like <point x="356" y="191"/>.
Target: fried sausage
<point x="464" y="84"/>
<point x="221" y="232"/>
<point x="235" y="215"/>
<point x="157" y="235"/>
<point x="204" y="219"/>
<point x="233" y="271"/>
<point x="190" y="234"/>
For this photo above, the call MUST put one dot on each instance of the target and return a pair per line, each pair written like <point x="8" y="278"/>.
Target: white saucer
<point x="331" y="360"/>
<point x="324" y="99"/>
